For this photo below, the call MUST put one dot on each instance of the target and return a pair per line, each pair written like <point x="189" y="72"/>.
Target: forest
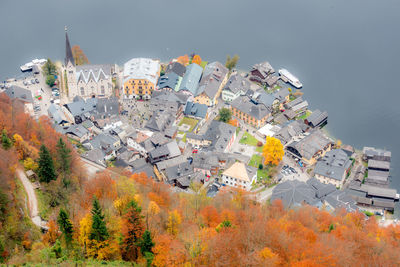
<point x="118" y="218"/>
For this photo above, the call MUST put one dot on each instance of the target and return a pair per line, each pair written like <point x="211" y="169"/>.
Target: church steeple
<point x="68" y="51"/>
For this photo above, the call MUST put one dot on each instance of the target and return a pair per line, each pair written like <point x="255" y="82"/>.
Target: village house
<point x="219" y="137"/>
<point x="215" y="76"/>
<point x="260" y="72"/>
<point x="310" y="148"/>
<point x="376" y="154"/>
<point x="24" y="95"/>
<point x="170" y="82"/>
<point x="374" y="197"/>
<point x="190" y="81"/>
<point x="57" y="115"/>
<point x="333" y="167"/>
<point x="294" y="193"/>
<point x="78" y="133"/>
<point x="140" y="77"/>
<point x="240" y="175"/>
<point x="196" y="110"/>
<point x="317" y="118"/>
<point x="235" y="87"/>
<point x="292" y="130"/>
<point x="251" y="111"/>
<point x="177" y="68"/>
<point x="164" y="152"/>
<point x="108" y="144"/>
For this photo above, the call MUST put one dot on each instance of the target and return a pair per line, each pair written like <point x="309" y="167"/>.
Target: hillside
<point x="118" y="219"/>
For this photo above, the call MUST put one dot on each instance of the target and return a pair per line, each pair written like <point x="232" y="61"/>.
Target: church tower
<point x="70" y="69"/>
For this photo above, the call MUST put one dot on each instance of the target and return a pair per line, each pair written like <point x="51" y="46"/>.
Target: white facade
<point x="229" y="96"/>
<point x="89" y="81"/>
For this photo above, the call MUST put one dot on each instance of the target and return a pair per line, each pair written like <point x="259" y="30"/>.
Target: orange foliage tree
<point x="79" y="57"/>
<point x="196" y="59"/>
<point x="184" y="60"/>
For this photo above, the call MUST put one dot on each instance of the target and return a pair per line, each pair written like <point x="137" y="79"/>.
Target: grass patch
<point x="259" y="149"/>
<point x="248" y="139"/>
<point x="255" y="160"/>
<point x="184" y="138"/>
<point x="305" y="116"/>
<point x="43" y="204"/>
<point x="203" y="64"/>
<point x="189" y="121"/>
<point x="262" y="174"/>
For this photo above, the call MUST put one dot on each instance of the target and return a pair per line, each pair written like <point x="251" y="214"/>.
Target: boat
<point x="293" y="80"/>
<point x="29" y="66"/>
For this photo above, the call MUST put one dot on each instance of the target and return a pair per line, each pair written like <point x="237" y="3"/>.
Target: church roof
<point x="68" y="51"/>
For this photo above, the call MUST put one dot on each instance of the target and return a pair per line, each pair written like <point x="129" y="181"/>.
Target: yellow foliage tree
<point x="85" y="226"/>
<point x="273" y="151"/>
<point x="338" y="143"/>
<point x="30" y="164"/>
<point x="153" y="208"/>
<point x="174" y="220"/>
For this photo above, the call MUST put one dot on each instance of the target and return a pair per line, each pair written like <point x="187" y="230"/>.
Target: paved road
<point x="32" y="200"/>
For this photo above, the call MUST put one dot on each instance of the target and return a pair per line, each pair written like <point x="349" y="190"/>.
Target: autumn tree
<point x="184" y="60"/>
<point x="231" y="62"/>
<point x="196" y="59"/>
<point x="84" y="231"/>
<point x="46" y="171"/>
<point x="5" y="140"/>
<point x="174" y="220"/>
<point x="225" y="114"/>
<point x="79" y="57"/>
<point x="65" y="225"/>
<point x="273" y="151"/>
<point x="52" y="233"/>
<point x="132" y="231"/>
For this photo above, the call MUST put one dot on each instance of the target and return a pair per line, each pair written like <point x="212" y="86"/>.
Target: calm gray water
<point x="345" y="52"/>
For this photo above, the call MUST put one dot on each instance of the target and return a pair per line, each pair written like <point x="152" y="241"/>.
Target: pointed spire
<point x="68" y="51"/>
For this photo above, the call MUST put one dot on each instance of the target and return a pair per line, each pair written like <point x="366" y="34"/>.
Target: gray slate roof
<point x="190" y="81"/>
<point x="213" y="75"/>
<point x="333" y="165"/>
<point x="169" y="80"/>
<point x="219" y="133"/>
<point x="176" y="68"/>
<point x="237" y="83"/>
<point x="317" y="118"/>
<point x="196" y="110"/>
<point x="295" y="193"/>
<point x="311" y="144"/>
<point x="56" y="113"/>
<point x="247" y="106"/>
<point x="19" y="93"/>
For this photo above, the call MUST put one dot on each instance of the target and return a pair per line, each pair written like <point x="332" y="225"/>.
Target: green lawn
<point x="189" y="121"/>
<point x="248" y="139"/>
<point x="203" y="64"/>
<point x="43" y="206"/>
<point x="259" y="149"/>
<point x="255" y="160"/>
<point x="305" y="116"/>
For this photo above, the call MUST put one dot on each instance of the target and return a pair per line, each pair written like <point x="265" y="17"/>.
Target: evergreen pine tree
<point x="5" y="140"/>
<point x="99" y="230"/>
<point x="64" y="160"/>
<point x="133" y="232"/>
<point x="46" y="166"/>
<point x="65" y="225"/>
<point x="146" y="244"/>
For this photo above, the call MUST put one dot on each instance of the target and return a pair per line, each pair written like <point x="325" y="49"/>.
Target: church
<point x="86" y="81"/>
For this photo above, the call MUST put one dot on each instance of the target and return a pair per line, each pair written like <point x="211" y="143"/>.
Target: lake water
<point x="346" y="53"/>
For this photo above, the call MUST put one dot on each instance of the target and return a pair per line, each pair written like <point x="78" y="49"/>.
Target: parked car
<point x="195" y="151"/>
<point x="55" y="89"/>
<point x="37" y="80"/>
<point x="33" y="81"/>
